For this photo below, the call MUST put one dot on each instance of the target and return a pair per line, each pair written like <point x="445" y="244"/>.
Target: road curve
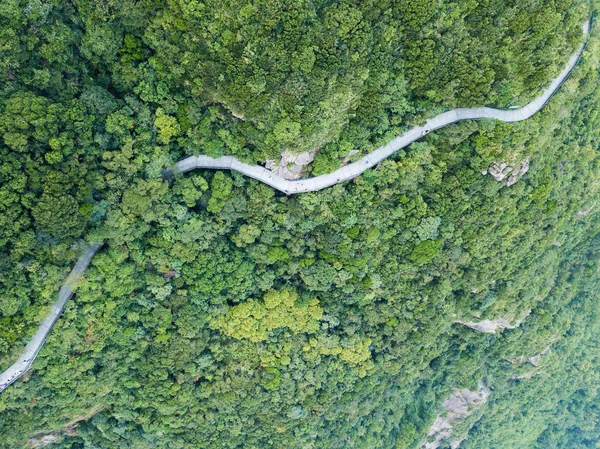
<point x="290" y="187"/>
<point x="351" y="171"/>
<point x="33" y="347"/>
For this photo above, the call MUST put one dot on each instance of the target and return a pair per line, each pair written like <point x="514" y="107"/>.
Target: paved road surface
<point x="33" y="347"/>
<point x="304" y="185"/>
<point x="353" y="170"/>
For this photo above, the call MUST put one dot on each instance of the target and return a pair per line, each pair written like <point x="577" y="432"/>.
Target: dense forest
<point x="223" y="314"/>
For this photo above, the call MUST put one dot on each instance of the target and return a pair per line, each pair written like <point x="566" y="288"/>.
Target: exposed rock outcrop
<point x="491" y="326"/>
<point x="291" y="165"/>
<point x="526" y="376"/>
<point x="348" y="156"/>
<point x="584" y="212"/>
<point x="457" y="409"/>
<point x="238" y="115"/>
<point x="43" y="439"/>
<point x="49" y="439"/>
<point x="509" y="174"/>
<point x="534" y="359"/>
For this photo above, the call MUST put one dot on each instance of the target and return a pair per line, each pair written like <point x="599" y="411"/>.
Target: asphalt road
<point x="33" y="347"/>
<point x="355" y="169"/>
<point x="290" y="187"/>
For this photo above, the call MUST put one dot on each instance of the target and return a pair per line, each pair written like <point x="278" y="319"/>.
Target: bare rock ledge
<point x="291" y="165"/>
<point x="491" y="326"/>
<point x="457" y="408"/>
<point x="508" y="174"/>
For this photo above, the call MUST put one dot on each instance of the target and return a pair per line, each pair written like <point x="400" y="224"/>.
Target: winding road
<point x="353" y="170"/>
<point x="24" y="362"/>
<point x="345" y="173"/>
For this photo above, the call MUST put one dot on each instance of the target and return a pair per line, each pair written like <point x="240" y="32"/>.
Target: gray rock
<point x="509" y="174"/>
<point x="584" y="212"/>
<point x="459" y="406"/>
<point x="491" y="326"/>
<point x="291" y="165"/>
<point x="44" y="438"/>
<point x="526" y="376"/>
<point x="348" y="156"/>
<point x="533" y="360"/>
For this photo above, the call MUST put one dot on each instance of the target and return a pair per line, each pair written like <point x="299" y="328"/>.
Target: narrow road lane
<point x="33" y="347"/>
<point x="304" y="185"/>
<point x="353" y="170"/>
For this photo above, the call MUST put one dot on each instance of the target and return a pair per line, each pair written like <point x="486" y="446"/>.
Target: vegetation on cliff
<point x="223" y="314"/>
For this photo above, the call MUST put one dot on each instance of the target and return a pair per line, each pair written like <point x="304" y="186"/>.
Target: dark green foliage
<point x="425" y="251"/>
<point x="222" y="314"/>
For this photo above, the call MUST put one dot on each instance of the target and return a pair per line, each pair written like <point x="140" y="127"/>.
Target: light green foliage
<point x="168" y="126"/>
<point x="27" y="119"/>
<point x="144" y="199"/>
<point x="191" y="189"/>
<point x="198" y="324"/>
<point x="428" y="229"/>
<point x="247" y="234"/>
<point x="354" y="352"/>
<point x="253" y="320"/>
<point x="286" y="131"/>
<point x="221" y="188"/>
<point x="425" y="251"/>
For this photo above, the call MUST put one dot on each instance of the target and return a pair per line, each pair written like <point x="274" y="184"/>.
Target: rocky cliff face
<point x="291" y="164"/>
<point x="45" y="438"/>
<point x="534" y="360"/>
<point x="491" y="326"/>
<point x="584" y="212"/>
<point x="461" y="405"/>
<point x="508" y="174"/>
